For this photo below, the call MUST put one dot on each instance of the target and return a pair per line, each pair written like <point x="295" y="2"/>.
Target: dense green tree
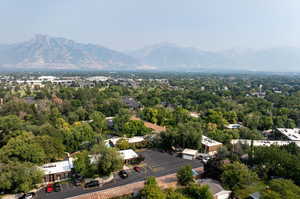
<point x="185" y="175"/>
<point x="281" y="188"/>
<point x="8" y="124"/>
<point x="120" y="120"/>
<point x="135" y="128"/>
<point x="53" y="147"/>
<point x="19" y="177"/>
<point x="123" y="144"/>
<point x="196" y="191"/>
<point x="150" y="114"/>
<point x="187" y="135"/>
<point x="98" y="123"/>
<point x="23" y="148"/>
<point x="237" y="175"/>
<point x="83" y="165"/>
<point x="151" y="190"/>
<point x="109" y="162"/>
<point x="216" y="117"/>
<point x="278" y="161"/>
<point x="79" y="136"/>
<point x="172" y="194"/>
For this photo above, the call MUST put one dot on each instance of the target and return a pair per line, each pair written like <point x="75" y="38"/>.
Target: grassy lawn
<point x="244" y="193"/>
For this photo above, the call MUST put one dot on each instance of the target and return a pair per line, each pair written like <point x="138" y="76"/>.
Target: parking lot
<point x="156" y="164"/>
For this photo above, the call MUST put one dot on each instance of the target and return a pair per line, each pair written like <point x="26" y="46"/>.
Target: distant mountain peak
<point x="47" y="52"/>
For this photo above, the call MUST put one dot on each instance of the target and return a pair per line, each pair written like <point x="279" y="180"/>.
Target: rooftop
<point x="136" y="139"/>
<point x="58" y="167"/>
<point x="209" y="142"/>
<point x="214" y="186"/>
<point x="291" y="134"/>
<point x="152" y="126"/>
<point x="234" y="126"/>
<point x="190" y="152"/>
<point x="264" y="142"/>
<point x="128" y="154"/>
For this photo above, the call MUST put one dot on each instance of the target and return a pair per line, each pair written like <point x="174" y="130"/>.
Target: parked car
<point x="57" y="187"/>
<point x="76" y="182"/>
<point x="28" y="195"/>
<point x="93" y="183"/>
<point x="123" y="174"/>
<point x="137" y="169"/>
<point x="49" y="188"/>
<point x="205" y="159"/>
<point x="77" y="179"/>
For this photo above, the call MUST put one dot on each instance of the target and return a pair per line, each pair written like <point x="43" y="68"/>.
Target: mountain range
<point x="45" y="52"/>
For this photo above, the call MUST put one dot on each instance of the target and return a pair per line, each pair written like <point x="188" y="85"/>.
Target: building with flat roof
<point x="57" y="171"/>
<point x="211" y="146"/>
<point x="234" y="126"/>
<point x="290" y="134"/>
<point x="263" y="142"/>
<point x="47" y="78"/>
<point x="128" y="155"/>
<point x="189" y="154"/>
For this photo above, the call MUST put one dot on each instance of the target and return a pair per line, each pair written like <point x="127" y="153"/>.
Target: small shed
<point x="189" y="154"/>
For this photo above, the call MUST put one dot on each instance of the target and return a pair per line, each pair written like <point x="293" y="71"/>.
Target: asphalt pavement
<point x="156" y="164"/>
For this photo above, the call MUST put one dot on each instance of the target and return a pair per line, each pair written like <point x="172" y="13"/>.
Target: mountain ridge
<point x="45" y="52"/>
<point x="60" y="53"/>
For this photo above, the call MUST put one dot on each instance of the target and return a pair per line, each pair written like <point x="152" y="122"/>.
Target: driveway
<point x="156" y="164"/>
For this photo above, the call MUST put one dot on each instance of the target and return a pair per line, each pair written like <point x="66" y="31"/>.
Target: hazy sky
<point x="130" y="24"/>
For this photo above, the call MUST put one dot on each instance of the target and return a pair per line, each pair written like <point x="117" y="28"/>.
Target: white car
<point x="27" y="195"/>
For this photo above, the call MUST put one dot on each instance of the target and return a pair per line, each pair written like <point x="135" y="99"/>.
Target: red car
<point x="137" y="169"/>
<point x="49" y="188"/>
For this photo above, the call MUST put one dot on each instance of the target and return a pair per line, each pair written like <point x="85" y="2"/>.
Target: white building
<point x="97" y="78"/>
<point x="47" y="78"/>
<point x="128" y="155"/>
<point x="263" y="142"/>
<point x="234" y="126"/>
<point x="189" y="154"/>
<point x="57" y="171"/>
<point x="290" y="134"/>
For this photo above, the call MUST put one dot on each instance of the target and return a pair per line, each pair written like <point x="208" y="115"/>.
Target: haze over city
<point x="150" y="99"/>
<point x="131" y="24"/>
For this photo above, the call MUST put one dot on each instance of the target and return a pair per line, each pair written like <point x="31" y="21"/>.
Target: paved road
<point x="157" y="164"/>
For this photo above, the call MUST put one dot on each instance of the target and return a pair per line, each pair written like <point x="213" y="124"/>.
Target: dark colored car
<point x="77" y="179"/>
<point x="28" y="195"/>
<point x="94" y="183"/>
<point x="49" y="188"/>
<point x="123" y="174"/>
<point x="137" y="169"/>
<point x="57" y="187"/>
<point x="76" y="182"/>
